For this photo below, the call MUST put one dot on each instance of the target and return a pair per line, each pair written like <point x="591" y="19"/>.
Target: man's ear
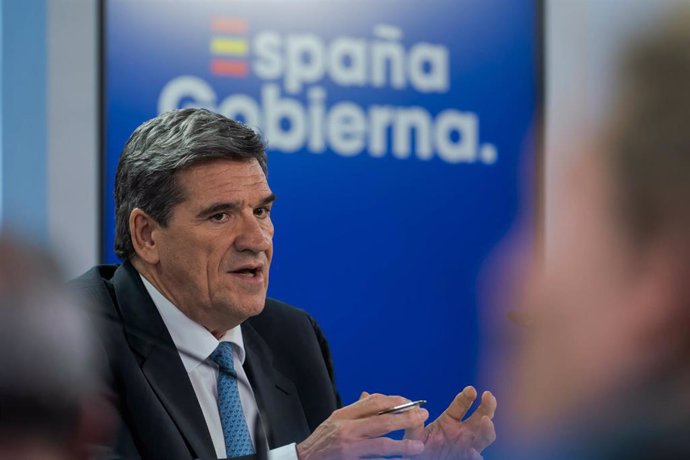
<point x="142" y="229"/>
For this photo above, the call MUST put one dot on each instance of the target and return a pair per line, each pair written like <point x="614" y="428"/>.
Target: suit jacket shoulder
<point x="288" y="363"/>
<point x="152" y="394"/>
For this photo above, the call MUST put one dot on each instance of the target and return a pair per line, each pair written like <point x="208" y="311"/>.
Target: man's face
<point x="592" y="306"/>
<point x="216" y="250"/>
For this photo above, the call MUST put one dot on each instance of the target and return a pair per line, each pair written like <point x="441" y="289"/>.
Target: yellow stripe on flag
<point x="229" y="46"/>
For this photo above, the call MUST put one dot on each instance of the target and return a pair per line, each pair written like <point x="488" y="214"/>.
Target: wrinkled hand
<point x="449" y="437"/>
<point x="354" y="431"/>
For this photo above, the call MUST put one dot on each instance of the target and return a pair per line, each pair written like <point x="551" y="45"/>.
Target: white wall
<point x="73" y="151"/>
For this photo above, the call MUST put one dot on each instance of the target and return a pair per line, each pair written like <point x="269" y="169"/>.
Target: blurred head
<point x="49" y="381"/>
<point x="611" y="304"/>
<point x="193" y="214"/>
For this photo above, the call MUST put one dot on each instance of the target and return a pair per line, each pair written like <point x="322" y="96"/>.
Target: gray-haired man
<point x="197" y="352"/>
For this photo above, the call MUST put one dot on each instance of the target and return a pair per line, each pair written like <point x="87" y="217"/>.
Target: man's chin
<point x="230" y="315"/>
<point x="251" y="306"/>
<point x="257" y="308"/>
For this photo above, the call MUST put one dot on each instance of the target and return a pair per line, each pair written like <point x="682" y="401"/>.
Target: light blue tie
<point x="238" y="442"/>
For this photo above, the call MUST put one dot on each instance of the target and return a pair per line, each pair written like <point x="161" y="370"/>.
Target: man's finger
<point x="461" y="404"/>
<point x="416" y="432"/>
<point x="473" y="455"/>
<point x="378" y="425"/>
<point x="487" y="408"/>
<point x="369" y="405"/>
<point x="386" y="447"/>
<point x="486" y="434"/>
<point x="363" y="395"/>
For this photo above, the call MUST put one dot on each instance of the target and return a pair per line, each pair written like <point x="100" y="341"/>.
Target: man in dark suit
<point x="201" y="364"/>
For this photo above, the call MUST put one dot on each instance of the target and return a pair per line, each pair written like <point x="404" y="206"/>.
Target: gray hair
<point x="649" y="155"/>
<point x="161" y="147"/>
<point x="649" y="150"/>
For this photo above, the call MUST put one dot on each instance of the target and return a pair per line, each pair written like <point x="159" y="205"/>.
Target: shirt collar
<point x="194" y="342"/>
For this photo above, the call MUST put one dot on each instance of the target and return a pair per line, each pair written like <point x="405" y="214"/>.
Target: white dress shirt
<point x="195" y="344"/>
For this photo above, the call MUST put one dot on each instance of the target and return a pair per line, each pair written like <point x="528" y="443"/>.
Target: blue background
<point x="384" y="253"/>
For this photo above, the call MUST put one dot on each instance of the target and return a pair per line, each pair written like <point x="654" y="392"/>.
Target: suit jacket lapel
<point x="159" y="359"/>
<point x="276" y="396"/>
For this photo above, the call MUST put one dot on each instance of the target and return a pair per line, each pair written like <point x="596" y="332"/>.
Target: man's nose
<point x="254" y="235"/>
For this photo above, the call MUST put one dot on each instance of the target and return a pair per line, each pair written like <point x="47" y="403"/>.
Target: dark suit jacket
<point x="287" y="361"/>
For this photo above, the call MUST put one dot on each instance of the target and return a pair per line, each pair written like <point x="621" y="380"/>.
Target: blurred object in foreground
<point x="603" y="371"/>
<point x="49" y="381"/>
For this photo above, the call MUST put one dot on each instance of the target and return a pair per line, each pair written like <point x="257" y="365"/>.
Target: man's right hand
<point x="356" y="431"/>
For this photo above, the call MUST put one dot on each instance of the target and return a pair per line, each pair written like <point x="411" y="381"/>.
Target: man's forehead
<point x="216" y="165"/>
<point x="223" y="177"/>
<point x="243" y="172"/>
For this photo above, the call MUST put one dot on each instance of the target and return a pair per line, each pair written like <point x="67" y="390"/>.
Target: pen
<point x="402" y="407"/>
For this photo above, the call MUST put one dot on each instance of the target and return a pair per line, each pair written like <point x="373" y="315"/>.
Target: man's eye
<point x="262" y="212"/>
<point x="219" y="217"/>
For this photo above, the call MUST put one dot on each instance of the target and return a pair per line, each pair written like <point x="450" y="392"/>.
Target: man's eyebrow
<point x="268" y="200"/>
<point x="218" y="207"/>
<point x="231" y="206"/>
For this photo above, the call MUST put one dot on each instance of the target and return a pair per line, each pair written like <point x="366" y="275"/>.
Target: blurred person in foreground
<point x="201" y="361"/>
<point x="49" y="408"/>
<point x="602" y="370"/>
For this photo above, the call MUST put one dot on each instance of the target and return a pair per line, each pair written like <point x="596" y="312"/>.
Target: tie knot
<point x="222" y="356"/>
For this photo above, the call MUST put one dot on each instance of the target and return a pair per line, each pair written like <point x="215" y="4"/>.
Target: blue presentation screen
<point x="398" y="131"/>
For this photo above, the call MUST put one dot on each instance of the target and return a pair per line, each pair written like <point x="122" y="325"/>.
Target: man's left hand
<point x="451" y="437"/>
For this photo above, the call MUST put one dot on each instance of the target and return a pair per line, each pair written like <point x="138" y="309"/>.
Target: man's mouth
<point x="249" y="271"/>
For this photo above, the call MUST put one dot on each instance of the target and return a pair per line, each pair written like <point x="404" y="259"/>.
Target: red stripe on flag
<point x="229" y="25"/>
<point x="229" y="68"/>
